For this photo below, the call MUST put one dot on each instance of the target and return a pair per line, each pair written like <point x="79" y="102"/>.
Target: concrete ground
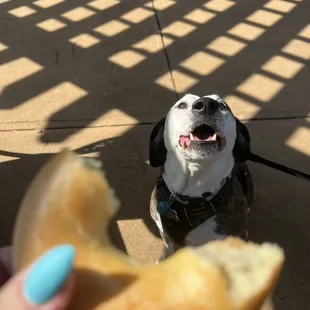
<point x="97" y="75"/>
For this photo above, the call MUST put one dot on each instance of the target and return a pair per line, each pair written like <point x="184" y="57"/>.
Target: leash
<point x="258" y="159"/>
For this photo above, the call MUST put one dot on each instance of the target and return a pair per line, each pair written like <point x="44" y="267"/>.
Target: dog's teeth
<point x="191" y="136"/>
<point x="214" y="137"/>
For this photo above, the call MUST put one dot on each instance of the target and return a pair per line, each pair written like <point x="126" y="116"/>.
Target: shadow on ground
<point x="254" y="53"/>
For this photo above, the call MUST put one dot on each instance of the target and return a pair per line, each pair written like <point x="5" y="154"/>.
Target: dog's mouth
<point x="203" y="134"/>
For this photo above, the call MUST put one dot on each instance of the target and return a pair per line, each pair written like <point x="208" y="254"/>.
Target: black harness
<point x="180" y="214"/>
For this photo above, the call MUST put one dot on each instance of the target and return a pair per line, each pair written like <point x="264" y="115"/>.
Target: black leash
<point x="257" y="159"/>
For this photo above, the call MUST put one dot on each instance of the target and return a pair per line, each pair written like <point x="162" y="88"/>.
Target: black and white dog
<point x="205" y="190"/>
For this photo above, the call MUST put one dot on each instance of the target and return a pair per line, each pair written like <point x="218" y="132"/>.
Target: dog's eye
<point x="182" y="105"/>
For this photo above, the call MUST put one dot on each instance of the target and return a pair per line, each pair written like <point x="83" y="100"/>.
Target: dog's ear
<point x="157" y="149"/>
<point x="242" y="146"/>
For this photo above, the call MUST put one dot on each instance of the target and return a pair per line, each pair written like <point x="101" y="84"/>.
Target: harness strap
<point x="181" y="214"/>
<point x="207" y="196"/>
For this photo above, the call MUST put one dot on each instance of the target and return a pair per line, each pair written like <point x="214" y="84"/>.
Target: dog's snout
<point x="205" y="106"/>
<point x="199" y="105"/>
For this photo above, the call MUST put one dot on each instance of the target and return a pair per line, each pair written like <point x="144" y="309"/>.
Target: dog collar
<point x="183" y="199"/>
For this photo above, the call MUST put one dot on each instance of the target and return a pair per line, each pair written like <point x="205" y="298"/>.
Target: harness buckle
<point x="164" y="208"/>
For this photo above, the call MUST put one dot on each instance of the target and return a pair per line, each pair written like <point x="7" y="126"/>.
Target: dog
<point x="205" y="189"/>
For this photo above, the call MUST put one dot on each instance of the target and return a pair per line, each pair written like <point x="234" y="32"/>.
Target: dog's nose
<point x="205" y="105"/>
<point x="199" y="105"/>
<point x="212" y="105"/>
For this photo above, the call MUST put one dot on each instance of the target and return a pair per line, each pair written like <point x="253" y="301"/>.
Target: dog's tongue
<point x="185" y="141"/>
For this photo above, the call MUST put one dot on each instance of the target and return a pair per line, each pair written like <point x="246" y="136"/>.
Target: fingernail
<point x="48" y="274"/>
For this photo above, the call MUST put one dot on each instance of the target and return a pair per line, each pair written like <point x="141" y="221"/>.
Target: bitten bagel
<point x="70" y="201"/>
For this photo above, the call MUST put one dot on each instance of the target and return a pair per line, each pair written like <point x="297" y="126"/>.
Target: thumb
<point x="45" y="285"/>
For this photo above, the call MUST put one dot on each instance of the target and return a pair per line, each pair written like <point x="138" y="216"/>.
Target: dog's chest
<point x="179" y="217"/>
<point x="226" y="212"/>
<point x="194" y="179"/>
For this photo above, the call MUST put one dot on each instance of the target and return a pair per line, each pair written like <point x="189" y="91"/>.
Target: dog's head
<point x="199" y="128"/>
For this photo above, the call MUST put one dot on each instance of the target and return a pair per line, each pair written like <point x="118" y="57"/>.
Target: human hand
<point x="46" y="285"/>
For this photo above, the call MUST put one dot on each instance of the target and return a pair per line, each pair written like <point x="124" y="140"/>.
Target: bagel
<point x="70" y="201"/>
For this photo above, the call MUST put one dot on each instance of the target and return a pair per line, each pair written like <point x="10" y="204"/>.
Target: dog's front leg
<point x="169" y="246"/>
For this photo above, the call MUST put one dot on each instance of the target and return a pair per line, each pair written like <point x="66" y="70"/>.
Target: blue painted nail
<point x="48" y="274"/>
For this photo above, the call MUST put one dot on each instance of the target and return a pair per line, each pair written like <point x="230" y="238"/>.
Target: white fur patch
<point x="186" y="175"/>
<point x="203" y="233"/>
